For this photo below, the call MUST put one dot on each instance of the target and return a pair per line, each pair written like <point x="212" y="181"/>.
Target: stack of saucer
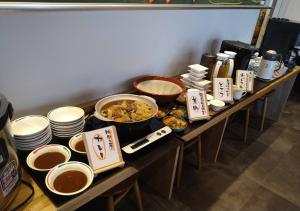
<point x="195" y="78"/>
<point x="66" y="121"/>
<point x="31" y="132"/>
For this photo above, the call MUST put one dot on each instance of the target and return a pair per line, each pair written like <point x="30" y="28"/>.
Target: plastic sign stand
<point x="197" y="105"/>
<point x="245" y="80"/>
<point x="103" y="149"/>
<point x="222" y="89"/>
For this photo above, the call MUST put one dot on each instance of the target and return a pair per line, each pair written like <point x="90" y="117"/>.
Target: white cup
<point x="238" y="93"/>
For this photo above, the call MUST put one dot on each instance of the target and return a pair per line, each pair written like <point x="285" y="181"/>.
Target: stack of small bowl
<point x="31" y="132"/>
<point x="195" y="78"/>
<point x="66" y="121"/>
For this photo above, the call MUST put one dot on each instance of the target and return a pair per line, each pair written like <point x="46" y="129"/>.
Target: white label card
<point x="222" y="88"/>
<point x="245" y="80"/>
<point x="197" y="104"/>
<point x="103" y="149"/>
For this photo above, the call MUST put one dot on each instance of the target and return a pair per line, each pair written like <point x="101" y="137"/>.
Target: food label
<point x="103" y="149"/>
<point x="197" y="104"/>
<point x="222" y="88"/>
<point x="9" y="178"/>
<point x="245" y="80"/>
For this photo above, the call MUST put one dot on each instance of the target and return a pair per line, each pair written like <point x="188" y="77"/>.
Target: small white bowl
<point x="209" y="97"/>
<point x="44" y="149"/>
<point x="74" y="140"/>
<point x="217" y="105"/>
<point x="69" y="166"/>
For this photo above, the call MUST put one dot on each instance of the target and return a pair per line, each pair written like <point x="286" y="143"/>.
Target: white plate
<point x="67" y="127"/>
<point x="29" y="125"/>
<point x="30" y="148"/>
<point x="67" y="130"/>
<point x="66" y="114"/>
<point x="33" y="141"/>
<point x="197" y="68"/>
<point x="39" y="135"/>
<point x="67" y="123"/>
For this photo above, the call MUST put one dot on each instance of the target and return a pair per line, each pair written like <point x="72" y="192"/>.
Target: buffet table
<point x="158" y="165"/>
<point x="212" y="131"/>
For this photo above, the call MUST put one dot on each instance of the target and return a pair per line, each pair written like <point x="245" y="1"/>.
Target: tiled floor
<point x="263" y="174"/>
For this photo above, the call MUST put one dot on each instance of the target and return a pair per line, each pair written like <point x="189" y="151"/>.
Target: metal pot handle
<point x="148" y="98"/>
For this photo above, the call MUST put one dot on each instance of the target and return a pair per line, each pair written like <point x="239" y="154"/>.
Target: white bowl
<point x="68" y="166"/>
<point x="209" y="97"/>
<point x="29" y="125"/>
<point x="44" y="149"/>
<point x="217" y="105"/>
<point x="67" y="114"/>
<point x="74" y="140"/>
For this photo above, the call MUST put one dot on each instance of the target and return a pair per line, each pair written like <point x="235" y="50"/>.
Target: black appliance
<point x="281" y="35"/>
<point x="244" y="53"/>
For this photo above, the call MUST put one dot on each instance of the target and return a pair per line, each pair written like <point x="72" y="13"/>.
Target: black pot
<point x="126" y="128"/>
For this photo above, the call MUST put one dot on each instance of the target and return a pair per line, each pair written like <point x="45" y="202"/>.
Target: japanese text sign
<point x="197" y="104"/>
<point x="103" y="149"/>
<point x="222" y="88"/>
<point x="245" y="80"/>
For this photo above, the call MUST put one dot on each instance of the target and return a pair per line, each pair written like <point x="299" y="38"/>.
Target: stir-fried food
<point x="127" y="111"/>
<point x="174" y="122"/>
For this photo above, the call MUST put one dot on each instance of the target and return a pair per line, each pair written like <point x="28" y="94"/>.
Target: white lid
<point x="271" y="52"/>
<point x="222" y="56"/>
<point x="231" y="54"/>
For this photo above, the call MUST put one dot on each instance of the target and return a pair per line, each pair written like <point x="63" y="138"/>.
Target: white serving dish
<point x="44" y="149"/>
<point x="74" y="140"/>
<point x="29" y="125"/>
<point x="67" y="114"/>
<point x="197" y="68"/>
<point x="69" y="166"/>
<point x="217" y="105"/>
<point x="209" y="97"/>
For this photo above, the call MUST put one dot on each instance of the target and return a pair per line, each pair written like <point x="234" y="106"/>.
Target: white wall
<point x="51" y="59"/>
<point x="289" y="9"/>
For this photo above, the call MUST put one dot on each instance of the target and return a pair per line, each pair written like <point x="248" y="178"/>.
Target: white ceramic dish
<point x="74" y="140"/>
<point x="217" y="105"/>
<point x="69" y="166"/>
<point x="197" y="75"/>
<point x="44" y="149"/>
<point x="29" y="125"/>
<point x="77" y="124"/>
<point x="67" y="114"/>
<point x="36" y="136"/>
<point x="30" y="148"/>
<point x="33" y="141"/>
<point x="197" y="68"/>
<point x="186" y="77"/>
<point x="209" y="97"/>
<point x="159" y="87"/>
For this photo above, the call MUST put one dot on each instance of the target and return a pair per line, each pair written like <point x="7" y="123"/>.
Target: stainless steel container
<point x="10" y="172"/>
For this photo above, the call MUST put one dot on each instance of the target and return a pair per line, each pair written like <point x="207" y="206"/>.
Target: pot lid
<point x="271" y="55"/>
<point x="5" y="110"/>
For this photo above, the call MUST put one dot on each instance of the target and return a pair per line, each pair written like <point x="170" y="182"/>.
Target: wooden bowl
<point x="163" y="89"/>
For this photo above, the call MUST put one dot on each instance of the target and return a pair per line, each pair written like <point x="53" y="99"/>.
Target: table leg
<point x="179" y="166"/>
<point x="160" y="176"/>
<point x="212" y="139"/>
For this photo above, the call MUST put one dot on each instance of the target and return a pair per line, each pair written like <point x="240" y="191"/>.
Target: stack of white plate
<point x="66" y="121"/>
<point x="31" y="132"/>
<point x="195" y="78"/>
